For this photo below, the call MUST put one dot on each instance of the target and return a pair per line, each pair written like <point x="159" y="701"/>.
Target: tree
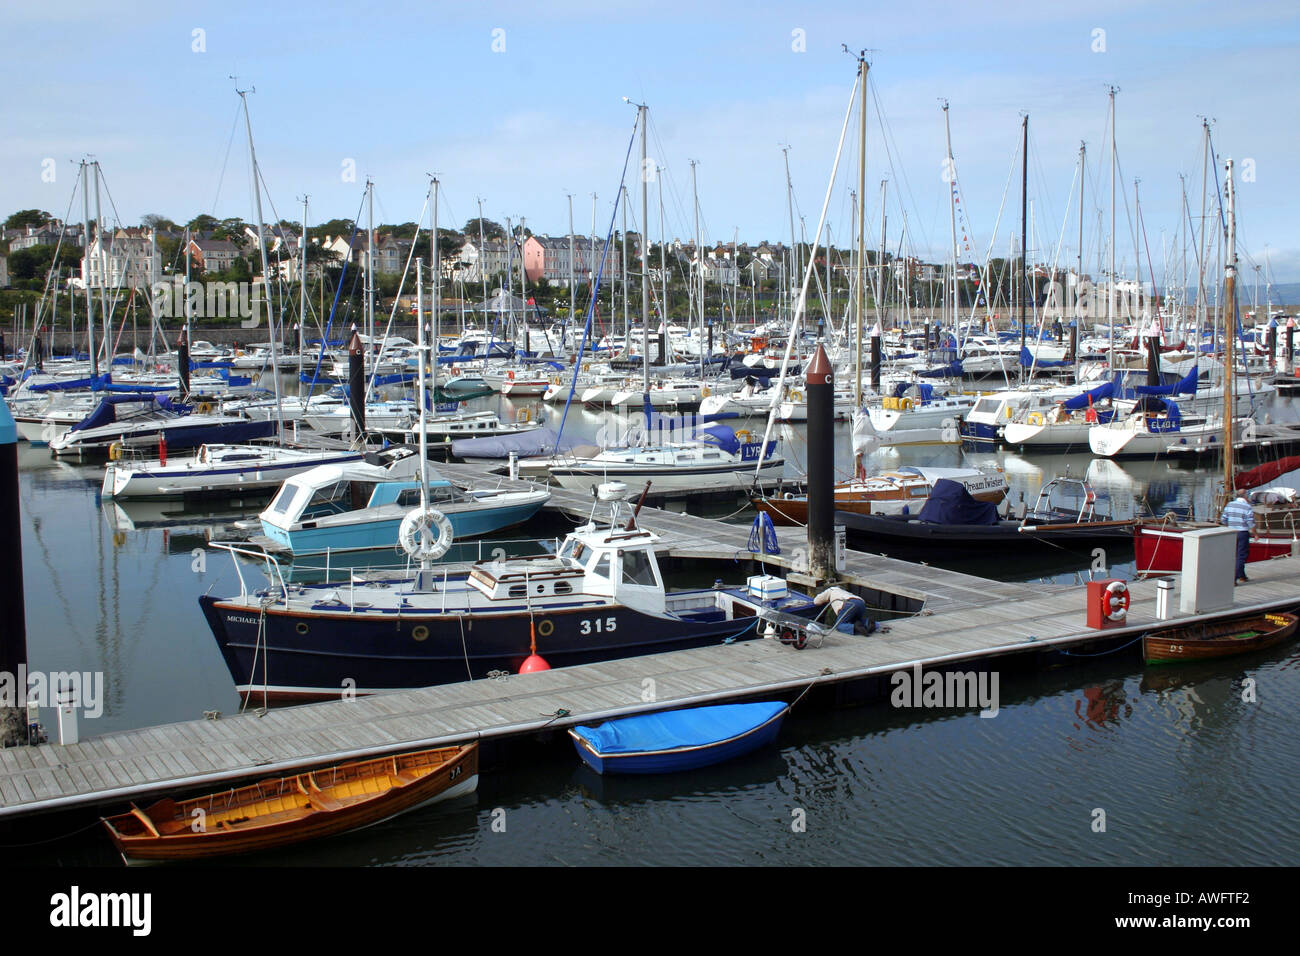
<point x="155" y="221"/>
<point x="203" y="223"/>
<point x="35" y="261"/>
<point x="335" y="227"/>
<point x="491" y="230"/>
<point x="27" y="217"/>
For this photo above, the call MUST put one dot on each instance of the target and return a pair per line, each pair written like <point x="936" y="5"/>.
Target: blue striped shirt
<point x="1238" y="514"/>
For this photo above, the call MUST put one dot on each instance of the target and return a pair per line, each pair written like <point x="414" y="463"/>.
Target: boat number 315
<point x="598" y="626"/>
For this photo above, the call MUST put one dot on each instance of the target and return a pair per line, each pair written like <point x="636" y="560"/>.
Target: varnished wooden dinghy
<point x="287" y="810"/>
<point x="1198" y="642"/>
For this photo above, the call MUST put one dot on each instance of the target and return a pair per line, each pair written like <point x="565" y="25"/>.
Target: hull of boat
<point x="382" y="533"/>
<point x="1218" y="639"/>
<point x="1159" y="547"/>
<point x="666" y="478"/>
<point x="303" y="807"/>
<point x="901" y="534"/>
<point x="190" y="478"/>
<point x="326" y="652"/>
<point x="747" y="728"/>
<point x="179" y="435"/>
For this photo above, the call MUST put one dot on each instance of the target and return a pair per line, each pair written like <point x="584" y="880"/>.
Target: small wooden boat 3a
<point x="680" y="739"/>
<point x="1203" y="641"/>
<point x="286" y="810"/>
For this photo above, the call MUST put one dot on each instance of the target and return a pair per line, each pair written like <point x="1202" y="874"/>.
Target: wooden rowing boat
<point x="281" y="811"/>
<point x="1211" y="639"/>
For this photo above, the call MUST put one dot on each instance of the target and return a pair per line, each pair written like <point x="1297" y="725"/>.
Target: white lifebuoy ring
<point x="1117" y="601"/>
<point x="416" y="534"/>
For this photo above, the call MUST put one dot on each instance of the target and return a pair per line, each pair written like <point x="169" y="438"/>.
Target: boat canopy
<point x="538" y="441"/>
<point x="1103" y="391"/>
<point x="105" y="412"/>
<point x="951" y="503"/>
<point x="1184" y="386"/>
<point x="720" y="435"/>
<point x="1028" y="360"/>
<point x="680" y="728"/>
<point x="95" y="383"/>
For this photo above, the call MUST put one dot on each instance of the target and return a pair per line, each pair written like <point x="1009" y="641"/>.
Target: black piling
<point x="875" y="361"/>
<point x="183" y="364"/>
<point x="357" y="384"/>
<point x="1290" y="350"/>
<point x="1272" y="343"/>
<point x="1153" y="360"/>
<point x="13" y="636"/>
<point x="820" y="389"/>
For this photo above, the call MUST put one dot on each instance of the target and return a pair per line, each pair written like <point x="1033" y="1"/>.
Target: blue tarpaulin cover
<point x="1097" y="394"/>
<point x="951" y="503"/>
<point x="699" y="726"/>
<point x="1028" y="361"/>
<point x="1184" y="386"/>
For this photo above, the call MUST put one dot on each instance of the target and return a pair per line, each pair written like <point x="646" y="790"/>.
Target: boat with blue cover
<point x="680" y="739"/>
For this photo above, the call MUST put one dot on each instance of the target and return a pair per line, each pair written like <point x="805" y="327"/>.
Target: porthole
<point x="420" y="632"/>
<point x="302" y="628"/>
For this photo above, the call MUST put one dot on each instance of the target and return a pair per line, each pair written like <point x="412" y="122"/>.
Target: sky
<point x="521" y="104"/>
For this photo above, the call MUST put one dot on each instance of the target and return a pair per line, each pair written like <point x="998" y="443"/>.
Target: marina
<point x="618" y="475"/>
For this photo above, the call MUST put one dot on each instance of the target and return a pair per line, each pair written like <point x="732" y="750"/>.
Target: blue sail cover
<point x="698" y="727"/>
<point x="1184" y="386"/>
<point x="94" y="383"/>
<point x="720" y="435"/>
<point x="105" y="412"/>
<point x="1027" y="360"/>
<point x="951" y="503"/>
<point x="951" y="370"/>
<point x="539" y="441"/>
<point x="1096" y="395"/>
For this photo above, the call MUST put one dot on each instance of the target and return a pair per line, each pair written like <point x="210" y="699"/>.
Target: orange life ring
<point x="454" y="370"/>
<point x="510" y="376"/>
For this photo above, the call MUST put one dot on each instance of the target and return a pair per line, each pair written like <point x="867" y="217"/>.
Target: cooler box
<point x="767" y="587"/>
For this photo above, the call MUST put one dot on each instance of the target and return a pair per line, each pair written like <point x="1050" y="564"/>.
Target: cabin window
<point x="637" y="568"/>
<point x="711" y="454"/>
<point x="517" y="590"/>
<point x="601" y="567"/>
<point x="409" y="497"/>
<point x="281" y="503"/>
<point x="563" y="587"/>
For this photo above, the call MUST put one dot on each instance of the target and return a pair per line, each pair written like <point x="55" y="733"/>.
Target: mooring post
<point x="183" y="364"/>
<point x="1290" y="350"/>
<point x="357" y="384"/>
<point x="1153" y="360"/>
<point x="13" y="635"/>
<point x="875" y="361"/>
<point x="1272" y="343"/>
<point x="820" y="388"/>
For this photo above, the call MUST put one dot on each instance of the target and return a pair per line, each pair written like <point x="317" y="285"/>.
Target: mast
<point x="1110" y="291"/>
<point x="861" y="207"/>
<point x="1078" y="279"/>
<point x="573" y="293"/>
<point x="90" y="305"/>
<point x="952" y="206"/>
<point x="266" y="272"/>
<point x="421" y="384"/>
<point x="880" y="266"/>
<point x="434" y="264"/>
<point x="645" y="270"/>
<point x="697" y="280"/>
<point x="1024" y="222"/>
<point x="1230" y="334"/>
<point x="302" y="293"/>
<point x="370" y="265"/>
<point x="794" y="237"/>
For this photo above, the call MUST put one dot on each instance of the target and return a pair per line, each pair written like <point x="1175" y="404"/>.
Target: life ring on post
<point x="744" y="437"/>
<point x="796" y="396"/>
<point x="510" y="376"/>
<point x="455" y="370"/>
<point x="1035" y="418"/>
<point x="1115" y="601"/>
<point x="204" y="408"/>
<point x="905" y="404"/>
<point x="115" y="451"/>
<point x="425" y="534"/>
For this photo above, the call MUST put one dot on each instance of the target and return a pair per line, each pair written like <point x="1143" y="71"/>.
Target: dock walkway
<point x="961" y="619"/>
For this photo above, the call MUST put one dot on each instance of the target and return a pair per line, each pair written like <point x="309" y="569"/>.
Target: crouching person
<point x="846" y="611"/>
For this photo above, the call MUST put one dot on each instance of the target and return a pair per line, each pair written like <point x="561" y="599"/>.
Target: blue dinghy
<point x="679" y="739"/>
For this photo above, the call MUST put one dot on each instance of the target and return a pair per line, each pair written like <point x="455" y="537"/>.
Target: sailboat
<point x="1159" y="544"/>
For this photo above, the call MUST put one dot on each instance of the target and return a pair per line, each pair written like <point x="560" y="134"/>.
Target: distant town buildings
<point x="122" y="259"/>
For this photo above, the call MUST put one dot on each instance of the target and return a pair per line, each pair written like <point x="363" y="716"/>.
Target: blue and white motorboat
<point x="359" y="506"/>
<point x="680" y="739"/>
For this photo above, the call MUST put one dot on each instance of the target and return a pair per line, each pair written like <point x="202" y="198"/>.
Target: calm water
<point x="1185" y="769"/>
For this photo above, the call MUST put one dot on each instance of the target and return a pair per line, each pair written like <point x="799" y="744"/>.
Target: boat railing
<point x="274" y="573"/>
<point x="334" y="566"/>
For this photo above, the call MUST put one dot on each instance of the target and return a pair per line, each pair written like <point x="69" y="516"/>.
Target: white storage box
<point x="767" y="587"/>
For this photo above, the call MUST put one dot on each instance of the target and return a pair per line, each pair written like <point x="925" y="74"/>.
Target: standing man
<point x="1240" y="515"/>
